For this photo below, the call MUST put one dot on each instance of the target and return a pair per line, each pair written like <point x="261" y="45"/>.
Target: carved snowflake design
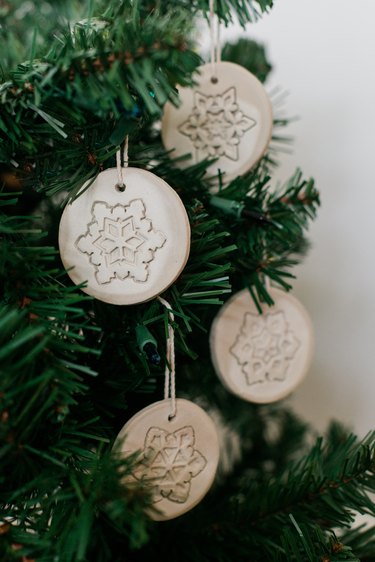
<point x="216" y="125"/>
<point x="120" y="241"/>
<point x="264" y="347"/>
<point x="168" y="463"/>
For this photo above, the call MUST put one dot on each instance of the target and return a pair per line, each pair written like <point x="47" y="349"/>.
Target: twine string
<point x="215" y="47"/>
<point x="122" y="162"/>
<point x="170" y="367"/>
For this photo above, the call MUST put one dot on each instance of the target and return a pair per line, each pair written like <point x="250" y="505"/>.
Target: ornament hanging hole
<point x="120" y="187"/>
<point x="171" y="417"/>
<point x="214" y="79"/>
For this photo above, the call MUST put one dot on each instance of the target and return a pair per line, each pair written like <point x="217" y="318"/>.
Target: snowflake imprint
<point x="264" y="347"/>
<point x="216" y="125"/>
<point x="169" y="462"/>
<point x="120" y="241"/>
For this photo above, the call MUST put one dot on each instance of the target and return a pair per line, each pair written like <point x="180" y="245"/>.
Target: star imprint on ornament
<point x="216" y="125"/>
<point x="120" y="241"/>
<point x="264" y="347"/>
<point x="168" y="463"/>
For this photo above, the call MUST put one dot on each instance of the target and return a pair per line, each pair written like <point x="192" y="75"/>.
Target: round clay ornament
<point x="126" y="247"/>
<point x="177" y="458"/>
<point x="262" y="357"/>
<point x="227" y="116"/>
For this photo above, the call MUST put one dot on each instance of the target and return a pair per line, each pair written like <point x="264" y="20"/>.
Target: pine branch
<point x="26" y="29"/>
<point x="287" y="517"/>
<point x="322" y="490"/>
<point x="333" y="479"/>
<point x="245" y="10"/>
<point x="269" y="228"/>
<point x="80" y="369"/>
<point x="116" y="80"/>
<point x="361" y="540"/>
<point x="66" y="510"/>
<point x="307" y="543"/>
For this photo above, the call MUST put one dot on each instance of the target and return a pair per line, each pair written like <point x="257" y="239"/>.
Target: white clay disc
<point x="127" y="246"/>
<point x="262" y="357"/>
<point x="178" y="458"/>
<point x="230" y="120"/>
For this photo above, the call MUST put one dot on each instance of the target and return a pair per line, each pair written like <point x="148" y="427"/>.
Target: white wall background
<point x="323" y="53"/>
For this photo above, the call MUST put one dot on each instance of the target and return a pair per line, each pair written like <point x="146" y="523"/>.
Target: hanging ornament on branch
<point x="263" y="357"/>
<point x="177" y="444"/>
<point x="126" y="238"/>
<point x="226" y="116"/>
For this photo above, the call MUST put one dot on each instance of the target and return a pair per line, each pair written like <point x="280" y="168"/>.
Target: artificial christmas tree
<point x="165" y="241"/>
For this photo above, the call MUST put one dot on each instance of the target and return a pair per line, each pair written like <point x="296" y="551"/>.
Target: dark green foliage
<point x="71" y="370"/>
<point x="249" y="54"/>
<point x="361" y="539"/>
<point x="278" y="513"/>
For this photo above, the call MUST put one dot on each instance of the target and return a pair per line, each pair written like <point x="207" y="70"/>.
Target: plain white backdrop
<point x="323" y="54"/>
